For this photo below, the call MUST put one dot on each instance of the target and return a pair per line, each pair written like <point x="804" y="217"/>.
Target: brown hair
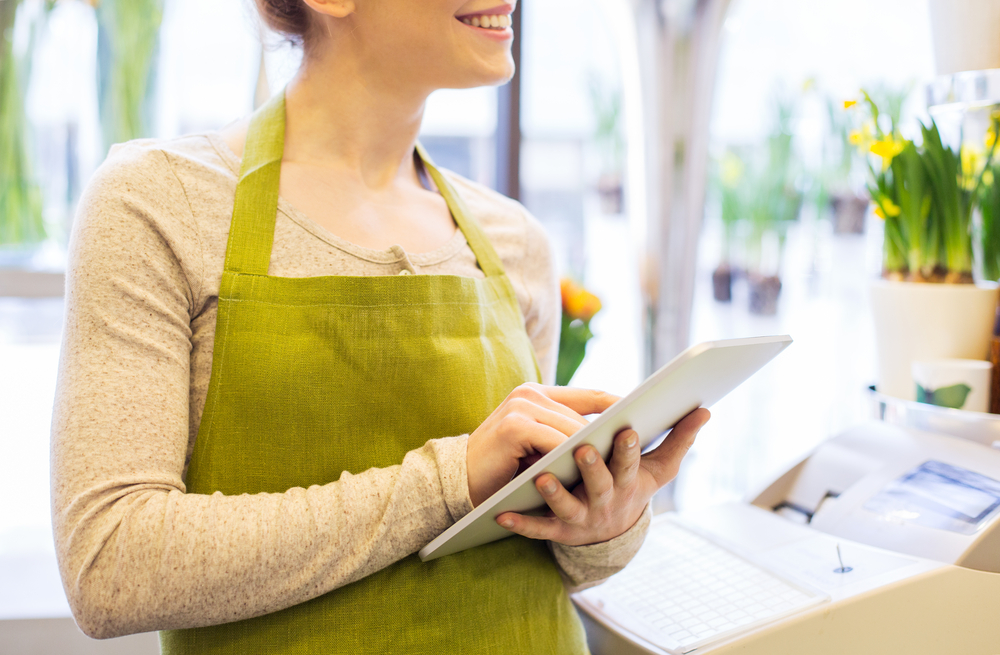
<point x="287" y="17"/>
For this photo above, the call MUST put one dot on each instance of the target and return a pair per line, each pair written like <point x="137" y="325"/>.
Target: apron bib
<point x="315" y="376"/>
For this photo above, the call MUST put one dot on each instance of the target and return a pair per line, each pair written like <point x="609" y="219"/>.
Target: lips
<point x="505" y="9"/>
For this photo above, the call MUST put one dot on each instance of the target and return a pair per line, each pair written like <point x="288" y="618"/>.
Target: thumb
<point x="664" y="462"/>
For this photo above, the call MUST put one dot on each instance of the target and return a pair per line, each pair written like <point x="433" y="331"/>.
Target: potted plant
<point x="728" y="182"/>
<point x="21" y="223"/>
<point x="847" y="208"/>
<point x="773" y="204"/>
<point x="927" y="304"/>
<point x="606" y="103"/>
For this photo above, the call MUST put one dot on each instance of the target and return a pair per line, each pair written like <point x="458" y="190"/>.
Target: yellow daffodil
<point x="849" y="103"/>
<point x="577" y="302"/>
<point x="862" y="139"/>
<point x="731" y="170"/>
<point x="971" y="158"/>
<point x="886" y="207"/>
<point x="988" y="178"/>
<point x="991" y="135"/>
<point x="887" y="148"/>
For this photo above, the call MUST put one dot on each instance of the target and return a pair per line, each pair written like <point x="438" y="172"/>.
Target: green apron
<point x="315" y="376"/>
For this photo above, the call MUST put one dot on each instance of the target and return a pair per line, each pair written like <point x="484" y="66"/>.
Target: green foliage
<point x="773" y="201"/>
<point x="572" y="348"/>
<point x="989" y="205"/>
<point x="952" y="206"/>
<point x="728" y="182"/>
<point x="757" y="187"/>
<point x="925" y="193"/>
<point x="127" y="41"/>
<point x="21" y="220"/>
<point x="606" y="104"/>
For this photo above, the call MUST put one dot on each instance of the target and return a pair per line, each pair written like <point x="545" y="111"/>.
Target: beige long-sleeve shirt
<point x="135" y="551"/>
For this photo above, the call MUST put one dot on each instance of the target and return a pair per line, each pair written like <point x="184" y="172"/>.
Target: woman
<point x="295" y="353"/>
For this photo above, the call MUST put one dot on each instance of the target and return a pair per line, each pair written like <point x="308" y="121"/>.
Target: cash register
<point x="884" y="539"/>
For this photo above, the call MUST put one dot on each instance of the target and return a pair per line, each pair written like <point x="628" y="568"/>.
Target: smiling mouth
<point x="497" y="22"/>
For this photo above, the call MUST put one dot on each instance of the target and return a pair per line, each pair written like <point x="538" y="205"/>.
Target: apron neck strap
<point x="487" y="257"/>
<point x="255" y="210"/>
<point x="251" y="233"/>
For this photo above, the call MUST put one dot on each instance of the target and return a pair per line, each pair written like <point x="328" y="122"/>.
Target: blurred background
<point x="767" y="184"/>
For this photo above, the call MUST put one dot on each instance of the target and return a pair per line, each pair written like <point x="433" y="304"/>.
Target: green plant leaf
<point x="953" y="396"/>
<point x="572" y="348"/>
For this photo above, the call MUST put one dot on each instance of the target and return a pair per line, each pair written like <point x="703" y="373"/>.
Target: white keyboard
<point x="682" y="591"/>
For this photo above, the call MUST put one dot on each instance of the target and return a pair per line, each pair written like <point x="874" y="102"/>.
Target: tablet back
<point x="698" y="377"/>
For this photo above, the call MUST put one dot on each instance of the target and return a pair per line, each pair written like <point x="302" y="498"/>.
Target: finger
<point x="597" y="479"/>
<point x="529" y="396"/>
<point x="533" y="527"/>
<point x="568" y="425"/>
<point x="581" y="401"/>
<point x="624" y="463"/>
<point x="563" y="504"/>
<point x="664" y="462"/>
<point x="535" y="437"/>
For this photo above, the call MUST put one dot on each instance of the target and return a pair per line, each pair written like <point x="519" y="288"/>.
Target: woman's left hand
<point x="612" y="496"/>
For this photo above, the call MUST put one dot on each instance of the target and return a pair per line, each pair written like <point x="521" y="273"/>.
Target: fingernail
<point x="549" y="487"/>
<point x="507" y="523"/>
<point x="590" y="457"/>
<point x="632" y="441"/>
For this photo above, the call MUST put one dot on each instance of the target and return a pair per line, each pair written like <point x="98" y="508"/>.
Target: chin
<point x="498" y="76"/>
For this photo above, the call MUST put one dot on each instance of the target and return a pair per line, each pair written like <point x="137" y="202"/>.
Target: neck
<point x="339" y="116"/>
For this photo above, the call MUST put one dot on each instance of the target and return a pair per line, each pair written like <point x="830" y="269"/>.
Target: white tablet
<point x="698" y="377"/>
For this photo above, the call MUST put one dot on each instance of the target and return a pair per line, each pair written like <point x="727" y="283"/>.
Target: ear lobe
<point x="332" y="8"/>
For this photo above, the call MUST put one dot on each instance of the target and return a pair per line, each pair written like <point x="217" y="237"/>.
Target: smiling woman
<point x="296" y="352"/>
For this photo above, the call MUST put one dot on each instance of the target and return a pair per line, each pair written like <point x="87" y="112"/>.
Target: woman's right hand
<point x="530" y="422"/>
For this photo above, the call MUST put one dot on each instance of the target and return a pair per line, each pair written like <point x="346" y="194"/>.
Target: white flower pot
<point x="965" y="35"/>
<point x="915" y="322"/>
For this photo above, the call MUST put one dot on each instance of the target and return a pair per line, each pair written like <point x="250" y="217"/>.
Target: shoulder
<point x="140" y="206"/>
<point x="500" y="216"/>
<point x="155" y="165"/>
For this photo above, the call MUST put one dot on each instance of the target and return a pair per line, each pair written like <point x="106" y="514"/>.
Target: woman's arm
<point x="136" y="552"/>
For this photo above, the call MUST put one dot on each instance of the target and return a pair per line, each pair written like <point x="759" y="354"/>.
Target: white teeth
<point x="489" y="22"/>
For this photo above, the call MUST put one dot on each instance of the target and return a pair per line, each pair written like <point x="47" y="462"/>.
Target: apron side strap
<point x="255" y="209"/>
<point x="487" y="257"/>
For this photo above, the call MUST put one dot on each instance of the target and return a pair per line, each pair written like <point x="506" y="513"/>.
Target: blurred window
<point x="573" y="172"/>
<point x="808" y="58"/>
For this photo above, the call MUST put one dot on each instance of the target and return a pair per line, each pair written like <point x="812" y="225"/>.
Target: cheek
<point x="437" y="53"/>
<point x="412" y="47"/>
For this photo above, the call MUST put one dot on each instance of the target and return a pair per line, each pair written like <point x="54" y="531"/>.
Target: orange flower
<point x="577" y="302"/>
